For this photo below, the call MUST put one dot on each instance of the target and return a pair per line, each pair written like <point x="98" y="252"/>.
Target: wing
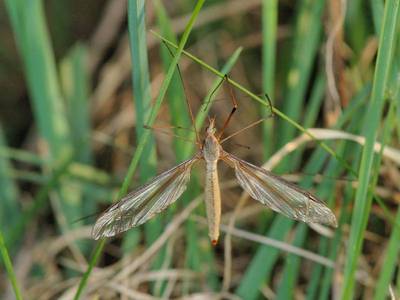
<point x="143" y="203"/>
<point x="279" y="194"/>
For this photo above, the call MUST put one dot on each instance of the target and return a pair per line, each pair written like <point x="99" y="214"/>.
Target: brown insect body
<point x="212" y="196"/>
<point x="143" y="203"/>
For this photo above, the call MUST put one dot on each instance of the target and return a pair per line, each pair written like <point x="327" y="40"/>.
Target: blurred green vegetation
<point x="81" y="81"/>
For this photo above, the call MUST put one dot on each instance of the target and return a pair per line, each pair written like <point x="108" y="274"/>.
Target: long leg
<point x="241" y="130"/>
<point x="198" y="141"/>
<point x="252" y="124"/>
<point x="234" y="108"/>
<point x="207" y="103"/>
<point x="270" y="106"/>
<point x="163" y="131"/>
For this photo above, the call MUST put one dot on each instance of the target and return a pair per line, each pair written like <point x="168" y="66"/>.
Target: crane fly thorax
<point x="211" y="145"/>
<point x="211" y="149"/>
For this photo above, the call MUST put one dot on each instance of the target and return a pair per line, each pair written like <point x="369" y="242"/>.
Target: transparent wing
<point x="279" y="194"/>
<point x="143" y="203"/>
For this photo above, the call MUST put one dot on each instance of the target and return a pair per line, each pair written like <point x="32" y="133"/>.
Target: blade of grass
<point x="292" y="262"/>
<point x="39" y="200"/>
<point x="21" y="155"/>
<point x="310" y="114"/>
<point x="27" y="19"/>
<point x="9" y="268"/>
<point x="308" y="28"/>
<point x="269" y="27"/>
<point x="78" y="170"/>
<point x="143" y="140"/>
<point x="377" y="13"/>
<point x="393" y="248"/>
<point x="141" y="85"/>
<point x="142" y="101"/>
<point x="255" y="275"/>
<point x="74" y="83"/>
<point x="355" y="25"/>
<point x="362" y="201"/>
<point x="333" y="248"/>
<point x="175" y="94"/>
<point x="329" y="247"/>
<point x="349" y="191"/>
<point x="326" y="187"/>
<point x="314" y="105"/>
<point x="9" y="206"/>
<point x="33" y="41"/>
<point x="393" y="92"/>
<point x="292" y="266"/>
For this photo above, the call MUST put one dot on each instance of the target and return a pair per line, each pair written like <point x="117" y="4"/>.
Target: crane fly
<point x="140" y="205"/>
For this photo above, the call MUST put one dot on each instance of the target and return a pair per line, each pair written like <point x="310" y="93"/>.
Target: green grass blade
<point x="316" y="98"/>
<point x="326" y="188"/>
<point x="292" y="262"/>
<point x="39" y="200"/>
<point x="74" y="82"/>
<point x="292" y="266"/>
<point x="362" y="201"/>
<point x="32" y="36"/>
<point x="349" y="191"/>
<point x="75" y="85"/>
<point x="160" y="97"/>
<point x="142" y="102"/>
<point x="310" y="115"/>
<point x="355" y="25"/>
<point x="377" y="14"/>
<point x="393" y="248"/>
<point x="144" y="139"/>
<point x="9" y="268"/>
<point x="269" y="28"/>
<point x="308" y="28"/>
<point x="9" y="194"/>
<point x="175" y="94"/>
<point x="21" y="155"/>
<point x="33" y="40"/>
<point x="257" y="272"/>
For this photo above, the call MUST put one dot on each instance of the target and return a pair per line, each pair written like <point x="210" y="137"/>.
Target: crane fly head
<point x="211" y="126"/>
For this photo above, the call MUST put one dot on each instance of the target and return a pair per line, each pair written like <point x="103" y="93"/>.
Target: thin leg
<point x="198" y="141"/>
<point x="167" y="127"/>
<point x="234" y="108"/>
<point x="270" y="106"/>
<point x="206" y="104"/>
<point x="162" y="130"/>
<point x="241" y="130"/>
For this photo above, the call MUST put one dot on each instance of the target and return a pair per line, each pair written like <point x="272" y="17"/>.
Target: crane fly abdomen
<point x="212" y="198"/>
<point x="212" y="195"/>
